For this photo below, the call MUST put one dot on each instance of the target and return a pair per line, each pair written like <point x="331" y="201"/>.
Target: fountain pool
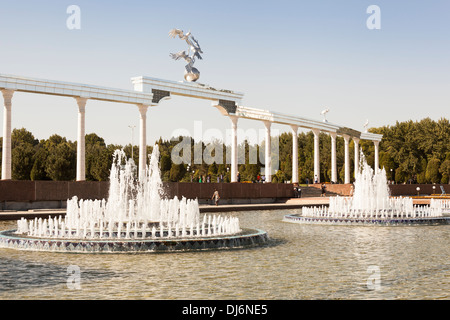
<point x="136" y="217"/>
<point x="371" y="204"/>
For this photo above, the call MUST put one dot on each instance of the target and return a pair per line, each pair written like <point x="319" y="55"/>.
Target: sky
<point x="292" y="57"/>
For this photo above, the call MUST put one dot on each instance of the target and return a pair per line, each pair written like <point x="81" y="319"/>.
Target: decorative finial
<point x="324" y="113"/>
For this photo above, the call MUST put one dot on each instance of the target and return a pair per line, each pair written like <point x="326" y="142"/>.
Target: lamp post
<point x="132" y="139"/>
<point x="418" y="190"/>
<point x="434" y="189"/>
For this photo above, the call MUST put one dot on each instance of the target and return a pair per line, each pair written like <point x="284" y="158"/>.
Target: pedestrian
<point x="216" y="197"/>
<point x="316" y="180"/>
<point x="295" y="192"/>
<point x="323" y="190"/>
<point x="238" y="177"/>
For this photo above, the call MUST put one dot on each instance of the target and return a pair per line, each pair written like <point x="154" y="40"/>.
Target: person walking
<point x="323" y="190"/>
<point x="216" y="197"/>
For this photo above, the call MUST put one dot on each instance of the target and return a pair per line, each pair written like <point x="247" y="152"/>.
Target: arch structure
<point x="150" y="92"/>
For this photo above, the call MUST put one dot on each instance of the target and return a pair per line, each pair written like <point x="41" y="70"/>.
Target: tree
<point x="22" y="161"/>
<point x="102" y="164"/>
<point x="61" y="161"/>
<point x="177" y="172"/>
<point x="22" y="152"/>
<point x="212" y="169"/>
<point x="445" y="171"/>
<point x="432" y="174"/>
<point x="165" y="162"/>
<point x="19" y="136"/>
<point x="39" y="161"/>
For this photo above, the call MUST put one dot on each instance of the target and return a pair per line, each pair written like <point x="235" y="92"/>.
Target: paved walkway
<point x="289" y="204"/>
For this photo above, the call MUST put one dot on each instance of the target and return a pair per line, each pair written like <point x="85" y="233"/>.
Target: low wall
<point x="11" y="190"/>
<point x="396" y="189"/>
<point x="26" y="195"/>
<point x="228" y="191"/>
<point x="411" y="189"/>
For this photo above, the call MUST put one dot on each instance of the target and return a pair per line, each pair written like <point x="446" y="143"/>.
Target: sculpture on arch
<point x="191" y="74"/>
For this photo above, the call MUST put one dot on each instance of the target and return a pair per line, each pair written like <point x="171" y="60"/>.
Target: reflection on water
<point x="303" y="262"/>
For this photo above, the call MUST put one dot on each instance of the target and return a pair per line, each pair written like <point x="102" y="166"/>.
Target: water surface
<point x="302" y="262"/>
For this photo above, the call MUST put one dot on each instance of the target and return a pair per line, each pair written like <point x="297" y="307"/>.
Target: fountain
<point x="371" y="204"/>
<point x="136" y="217"/>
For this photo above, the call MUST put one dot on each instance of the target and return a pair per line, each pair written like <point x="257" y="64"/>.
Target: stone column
<point x="356" y="141"/>
<point x="347" y="158"/>
<point x="6" y="151"/>
<point x="268" y="154"/>
<point x="234" y="154"/>
<point x="377" y="160"/>
<point x="316" y="155"/>
<point x="142" y="141"/>
<point x="333" y="158"/>
<point x="81" y="145"/>
<point x="294" y="130"/>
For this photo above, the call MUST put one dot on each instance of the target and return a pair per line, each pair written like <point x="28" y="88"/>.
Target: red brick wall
<point x="62" y="190"/>
<point x="410" y="189"/>
<point x="229" y="190"/>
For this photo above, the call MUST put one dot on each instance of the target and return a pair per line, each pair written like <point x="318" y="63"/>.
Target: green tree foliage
<point x="409" y="151"/>
<point x="22" y="145"/>
<point x="177" y="172"/>
<point x="61" y="160"/>
<point x="432" y="174"/>
<point x="412" y="145"/>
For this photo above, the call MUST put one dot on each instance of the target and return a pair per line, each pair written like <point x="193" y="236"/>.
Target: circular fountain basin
<point x="298" y="218"/>
<point x="248" y="238"/>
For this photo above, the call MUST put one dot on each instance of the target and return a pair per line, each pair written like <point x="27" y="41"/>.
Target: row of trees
<point x="414" y="152"/>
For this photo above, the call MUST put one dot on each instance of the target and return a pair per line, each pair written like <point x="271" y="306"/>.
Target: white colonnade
<point x="10" y="84"/>
<point x="150" y="91"/>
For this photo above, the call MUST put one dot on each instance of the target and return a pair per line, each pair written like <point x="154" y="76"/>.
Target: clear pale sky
<point x="294" y="57"/>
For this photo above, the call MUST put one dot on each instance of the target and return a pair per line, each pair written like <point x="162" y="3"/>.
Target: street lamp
<point x="132" y="139"/>
<point x="434" y="189"/>
<point x="418" y="190"/>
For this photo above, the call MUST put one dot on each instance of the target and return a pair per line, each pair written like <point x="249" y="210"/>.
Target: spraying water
<point x="371" y="199"/>
<point x="134" y="209"/>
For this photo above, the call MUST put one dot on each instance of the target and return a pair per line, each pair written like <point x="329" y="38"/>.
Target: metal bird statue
<point x="191" y="74"/>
